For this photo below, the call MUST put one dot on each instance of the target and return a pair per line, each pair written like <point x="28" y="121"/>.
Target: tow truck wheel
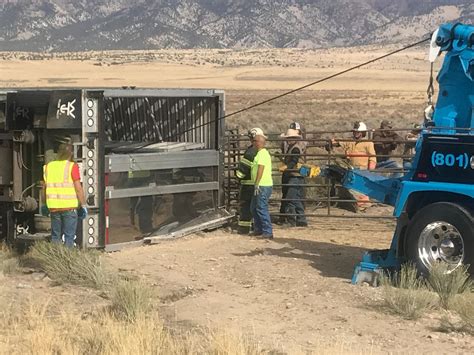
<point x="441" y="232"/>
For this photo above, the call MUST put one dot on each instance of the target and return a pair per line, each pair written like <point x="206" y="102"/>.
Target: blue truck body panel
<point x="410" y="187"/>
<point x="444" y="159"/>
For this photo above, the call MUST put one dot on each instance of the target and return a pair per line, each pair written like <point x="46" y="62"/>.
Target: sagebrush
<point x="75" y="266"/>
<point x="463" y="306"/>
<point x="405" y="294"/>
<point x="448" y="283"/>
<point x="131" y="300"/>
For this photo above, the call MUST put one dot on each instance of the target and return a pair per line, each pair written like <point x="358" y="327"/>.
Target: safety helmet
<point x="256" y="132"/>
<point x="296" y="125"/>
<point x="360" y="127"/>
<point x="63" y="139"/>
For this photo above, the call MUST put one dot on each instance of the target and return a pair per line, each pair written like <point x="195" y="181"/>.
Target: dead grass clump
<point x="79" y="267"/>
<point x="109" y="336"/>
<point x="227" y="343"/>
<point x="45" y="331"/>
<point x="447" y="324"/>
<point x="463" y="306"/>
<point x="42" y="328"/>
<point x="10" y="266"/>
<point x="447" y="284"/>
<point x="131" y="300"/>
<point x="410" y="304"/>
<point x="147" y="335"/>
<point x="9" y="263"/>
<point x="404" y="293"/>
<point x="407" y="278"/>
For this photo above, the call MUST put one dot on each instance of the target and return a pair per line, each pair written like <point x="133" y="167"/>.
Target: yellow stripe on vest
<point x="60" y="191"/>
<point x="59" y="185"/>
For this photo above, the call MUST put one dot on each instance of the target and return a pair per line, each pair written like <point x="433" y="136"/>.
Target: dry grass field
<point x="393" y="88"/>
<point x="290" y="295"/>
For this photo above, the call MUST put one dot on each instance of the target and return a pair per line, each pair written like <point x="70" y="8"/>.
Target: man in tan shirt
<point x="361" y="154"/>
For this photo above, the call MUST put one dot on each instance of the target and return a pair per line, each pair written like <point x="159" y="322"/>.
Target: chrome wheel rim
<point x="441" y="242"/>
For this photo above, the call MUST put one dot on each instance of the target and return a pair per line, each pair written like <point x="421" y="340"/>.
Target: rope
<point x="305" y="86"/>
<point x="430" y="90"/>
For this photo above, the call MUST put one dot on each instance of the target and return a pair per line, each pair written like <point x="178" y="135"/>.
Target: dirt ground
<point x="293" y="293"/>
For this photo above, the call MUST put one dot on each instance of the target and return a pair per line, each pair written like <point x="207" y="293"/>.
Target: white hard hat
<point x="256" y="132"/>
<point x="292" y="133"/>
<point x="360" y="127"/>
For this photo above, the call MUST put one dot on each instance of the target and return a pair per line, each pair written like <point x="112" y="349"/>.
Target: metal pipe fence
<point x="323" y="196"/>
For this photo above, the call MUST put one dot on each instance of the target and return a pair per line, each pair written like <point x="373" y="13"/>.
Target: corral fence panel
<point x="323" y="196"/>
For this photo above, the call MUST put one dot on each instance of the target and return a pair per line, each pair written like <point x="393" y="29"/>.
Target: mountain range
<point x="80" y="25"/>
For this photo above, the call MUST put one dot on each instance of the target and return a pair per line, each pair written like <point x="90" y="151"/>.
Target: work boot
<point x="256" y="234"/>
<point x="243" y="230"/>
<point x="301" y="224"/>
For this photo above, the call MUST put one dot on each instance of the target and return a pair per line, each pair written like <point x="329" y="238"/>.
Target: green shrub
<point x="463" y="306"/>
<point x="407" y="278"/>
<point x="75" y="266"/>
<point x="447" y="284"/>
<point x="405" y="294"/>
<point x="131" y="300"/>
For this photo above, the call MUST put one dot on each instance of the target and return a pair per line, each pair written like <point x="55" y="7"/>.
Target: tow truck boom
<point x="434" y="201"/>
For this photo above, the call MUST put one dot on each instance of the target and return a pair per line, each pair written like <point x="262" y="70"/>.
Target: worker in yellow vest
<point x="246" y="191"/>
<point x="64" y="195"/>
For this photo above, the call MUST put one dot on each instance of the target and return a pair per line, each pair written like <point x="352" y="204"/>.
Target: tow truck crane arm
<point x="442" y="172"/>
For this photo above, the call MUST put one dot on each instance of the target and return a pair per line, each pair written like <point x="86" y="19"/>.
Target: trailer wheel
<point x="441" y="232"/>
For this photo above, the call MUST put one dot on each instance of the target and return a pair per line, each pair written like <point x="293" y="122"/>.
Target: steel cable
<point x="305" y="86"/>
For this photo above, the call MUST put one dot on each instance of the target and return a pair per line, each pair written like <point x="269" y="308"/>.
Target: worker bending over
<point x="262" y="176"/>
<point x="361" y="155"/>
<point x="293" y="192"/>
<point x="246" y="184"/>
<point x="63" y="194"/>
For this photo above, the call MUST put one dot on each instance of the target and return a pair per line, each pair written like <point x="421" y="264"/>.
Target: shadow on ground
<point x="332" y="260"/>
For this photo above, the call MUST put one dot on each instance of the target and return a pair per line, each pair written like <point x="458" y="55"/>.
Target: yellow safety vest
<point x="60" y="191"/>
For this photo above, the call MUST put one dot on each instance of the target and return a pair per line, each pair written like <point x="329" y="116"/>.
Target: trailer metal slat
<point x="111" y="193"/>
<point x="170" y="160"/>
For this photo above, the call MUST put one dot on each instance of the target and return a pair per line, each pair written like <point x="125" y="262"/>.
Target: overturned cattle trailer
<point x="151" y="161"/>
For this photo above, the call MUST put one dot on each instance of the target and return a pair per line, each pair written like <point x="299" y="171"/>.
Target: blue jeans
<point x="261" y="216"/>
<point x="391" y="165"/>
<point x="294" y="205"/>
<point x="64" y="223"/>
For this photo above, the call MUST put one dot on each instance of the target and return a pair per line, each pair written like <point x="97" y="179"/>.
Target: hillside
<point x="66" y="25"/>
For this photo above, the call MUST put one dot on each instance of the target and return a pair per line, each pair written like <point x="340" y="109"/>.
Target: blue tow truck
<point x="434" y="201"/>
